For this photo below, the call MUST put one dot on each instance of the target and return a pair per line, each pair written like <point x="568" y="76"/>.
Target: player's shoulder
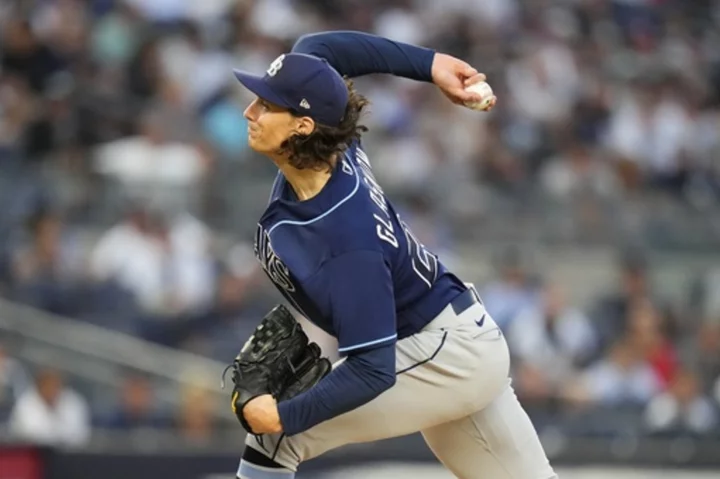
<point x="352" y="225"/>
<point x="338" y="220"/>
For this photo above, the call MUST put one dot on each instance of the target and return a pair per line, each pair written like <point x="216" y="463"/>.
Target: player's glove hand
<point x="311" y="368"/>
<point x="278" y="359"/>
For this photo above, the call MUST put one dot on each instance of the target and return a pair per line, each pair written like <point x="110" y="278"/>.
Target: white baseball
<point x="486" y="93"/>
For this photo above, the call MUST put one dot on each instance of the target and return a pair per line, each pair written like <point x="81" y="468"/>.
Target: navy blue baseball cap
<point x="305" y="84"/>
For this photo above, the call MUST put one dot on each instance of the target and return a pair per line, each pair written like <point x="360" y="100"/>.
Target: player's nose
<point x="250" y="112"/>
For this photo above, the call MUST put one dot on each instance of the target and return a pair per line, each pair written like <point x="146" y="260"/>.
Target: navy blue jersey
<point x="348" y="262"/>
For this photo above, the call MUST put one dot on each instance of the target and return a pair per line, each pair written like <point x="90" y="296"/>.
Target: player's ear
<point x="304" y="125"/>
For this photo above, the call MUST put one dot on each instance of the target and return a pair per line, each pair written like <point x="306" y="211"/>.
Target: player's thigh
<point x="498" y="442"/>
<point x="459" y="379"/>
<point x="407" y="407"/>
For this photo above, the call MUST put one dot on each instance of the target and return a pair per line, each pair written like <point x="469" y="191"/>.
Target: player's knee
<point x="257" y="458"/>
<point x="256" y="465"/>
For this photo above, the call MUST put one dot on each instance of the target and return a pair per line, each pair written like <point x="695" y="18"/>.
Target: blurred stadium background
<point x="585" y="208"/>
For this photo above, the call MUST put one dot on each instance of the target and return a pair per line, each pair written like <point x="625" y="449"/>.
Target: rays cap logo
<point x="306" y="84"/>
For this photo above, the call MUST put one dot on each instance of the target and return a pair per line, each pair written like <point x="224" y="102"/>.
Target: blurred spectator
<point x="512" y="292"/>
<point x="14" y="380"/>
<point x="45" y="270"/>
<point x="611" y="312"/>
<point x="578" y="172"/>
<point x="161" y="11"/>
<point x="45" y="255"/>
<point x="164" y="260"/>
<point x="190" y="62"/>
<point x="175" y="115"/>
<point x="240" y="299"/>
<point x="623" y="378"/>
<point x="116" y="35"/>
<point x="137" y="408"/>
<point x="544" y="83"/>
<point x="551" y="341"/>
<point x="221" y="123"/>
<point x="26" y="57"/>
<point x="18" y="113"/>
<point x="57" y="125"/>
<point x="195" y="418"/>
<point x="64" y="26"/>
<point x="502" y="168"/>
<point x="144" y="72"/>
<point x="683" y="409"/>
<point x="51" y="413"/>
<point x="650" y="131"/>
<point x="401" y="24"/>
<point x="150" y="163"/>
<point x="645" y="331"/>
<point x="429" y="229"/>
<point x="702" y="324"/>
<point x="220" y="329"/>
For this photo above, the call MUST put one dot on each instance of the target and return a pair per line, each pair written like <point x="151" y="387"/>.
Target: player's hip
<point x="466" y="311"/>
<point x="417" y="311"/>
<point x="463" y="340"/>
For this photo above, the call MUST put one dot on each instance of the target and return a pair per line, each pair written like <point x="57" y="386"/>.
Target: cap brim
<point x="259" y="87"/>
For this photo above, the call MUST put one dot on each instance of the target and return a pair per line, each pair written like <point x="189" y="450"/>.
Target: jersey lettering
<point x="425" y="264"/>
<point x="385" y="231"/>
<point x="346" y="168"/>
<point x="384" y="228"/>
<point x="379" y="200"/>
<point x="271" y="263"/>
<point x="376" y="192"/>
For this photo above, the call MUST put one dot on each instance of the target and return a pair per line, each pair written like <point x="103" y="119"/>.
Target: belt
<point x="464" y="300"/>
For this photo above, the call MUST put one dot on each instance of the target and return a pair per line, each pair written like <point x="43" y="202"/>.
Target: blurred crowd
<point x="128" y="192"/>
<point x="43" y="406"/>
<point x="629" y="362"/>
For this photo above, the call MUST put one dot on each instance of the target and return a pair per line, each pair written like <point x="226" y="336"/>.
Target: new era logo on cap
<point x="302" y="83"/>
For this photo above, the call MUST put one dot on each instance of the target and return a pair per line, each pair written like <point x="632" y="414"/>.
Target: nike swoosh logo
<point x="481" y="321"/>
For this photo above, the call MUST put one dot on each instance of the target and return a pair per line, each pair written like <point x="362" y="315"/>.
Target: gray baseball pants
<point x="453" y="387"/>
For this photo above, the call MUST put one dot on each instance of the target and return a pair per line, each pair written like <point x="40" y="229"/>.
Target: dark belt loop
<point x="475" y="292"/>
<point x="464" y="300"/>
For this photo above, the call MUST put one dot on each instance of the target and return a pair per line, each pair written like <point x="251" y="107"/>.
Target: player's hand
<point x="452" y="75"/>
<point x="262" y="415"/>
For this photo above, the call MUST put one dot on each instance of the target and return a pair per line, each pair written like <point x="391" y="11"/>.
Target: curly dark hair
<point x="319" y="149"/>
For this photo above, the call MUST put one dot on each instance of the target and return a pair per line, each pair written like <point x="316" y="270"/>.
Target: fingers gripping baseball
<point x="454" y="76"/>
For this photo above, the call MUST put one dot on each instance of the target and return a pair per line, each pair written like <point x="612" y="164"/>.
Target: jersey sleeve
<point x="360" y="301"/>
<point x="357" y="53"/>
